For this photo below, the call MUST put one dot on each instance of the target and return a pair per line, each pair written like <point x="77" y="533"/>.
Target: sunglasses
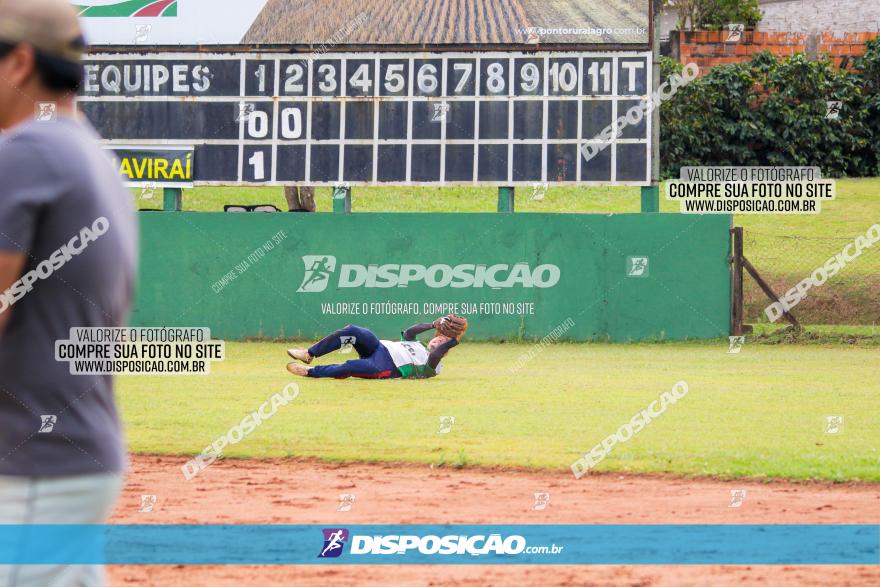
<point x="256" y="208"/>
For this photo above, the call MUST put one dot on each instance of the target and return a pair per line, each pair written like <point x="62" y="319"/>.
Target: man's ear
<point x="22" y="65"/>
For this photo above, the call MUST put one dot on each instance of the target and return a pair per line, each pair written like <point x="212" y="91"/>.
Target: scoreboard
<point x="493" y="118"/>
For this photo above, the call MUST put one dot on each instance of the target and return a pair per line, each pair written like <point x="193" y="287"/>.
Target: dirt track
<point x="298" y="492"/>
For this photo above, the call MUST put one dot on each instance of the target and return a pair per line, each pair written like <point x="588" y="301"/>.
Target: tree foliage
<point x="714" y="14"/>
<point x="772" y="112"/>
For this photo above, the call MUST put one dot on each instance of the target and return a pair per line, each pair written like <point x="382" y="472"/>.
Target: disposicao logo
<point x="334" y="541"/>
<point x="320" y="268"/>
<point x="124" y="8"/>
<point x="318" y="271"/>
<point x="478" y="545"/>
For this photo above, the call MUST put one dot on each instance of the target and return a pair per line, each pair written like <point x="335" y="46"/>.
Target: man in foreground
<point x="383" y="359"/>
<point x="68" y="252"/>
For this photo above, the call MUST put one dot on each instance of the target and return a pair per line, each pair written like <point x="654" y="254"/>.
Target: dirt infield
<point x="305" y="492"/>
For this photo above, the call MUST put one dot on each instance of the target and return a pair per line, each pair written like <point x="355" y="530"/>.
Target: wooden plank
<point x="736" y="267"/>
<point x="768" y="291"/>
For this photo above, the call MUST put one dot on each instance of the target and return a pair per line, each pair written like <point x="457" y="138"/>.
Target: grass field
<point x="760" y="413"/>
<point x="757" y="414"/>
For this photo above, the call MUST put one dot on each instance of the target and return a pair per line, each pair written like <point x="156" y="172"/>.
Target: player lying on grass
<point x="383" y="359"/>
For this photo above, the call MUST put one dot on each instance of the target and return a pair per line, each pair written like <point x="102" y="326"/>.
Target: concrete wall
<point x="805" y="16"/>
<point x="822" y="16"/>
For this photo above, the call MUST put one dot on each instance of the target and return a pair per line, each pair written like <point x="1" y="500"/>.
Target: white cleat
<point x="300" y="355"/>
<point x="298" y="369"/>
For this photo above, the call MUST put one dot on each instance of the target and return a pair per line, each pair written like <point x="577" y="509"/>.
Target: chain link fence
<point x="852" y="296"/>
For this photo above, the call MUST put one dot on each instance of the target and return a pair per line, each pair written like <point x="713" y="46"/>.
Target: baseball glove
<point x="452" y="326"/>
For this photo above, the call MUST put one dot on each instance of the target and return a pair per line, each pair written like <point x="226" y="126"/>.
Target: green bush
<point x="772" y="112"/>
<point x="868" y="67"/>
<point x="714" y="14"/>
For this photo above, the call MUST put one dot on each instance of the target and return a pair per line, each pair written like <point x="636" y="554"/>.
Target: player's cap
<point x="50" y="26"/>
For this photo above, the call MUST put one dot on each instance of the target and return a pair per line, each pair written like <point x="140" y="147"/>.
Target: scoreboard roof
<point x="372" y="23"/>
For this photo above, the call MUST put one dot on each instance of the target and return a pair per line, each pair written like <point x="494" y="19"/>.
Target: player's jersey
<point x="411" y="359"/>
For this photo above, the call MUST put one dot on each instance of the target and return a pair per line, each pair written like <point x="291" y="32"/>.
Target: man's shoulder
<point x="42" y="145"/>
<point x="63" y="133"/>
<point x="20" y="144"/>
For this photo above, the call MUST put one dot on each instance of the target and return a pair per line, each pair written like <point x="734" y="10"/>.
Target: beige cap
<point x="50" y="26"/>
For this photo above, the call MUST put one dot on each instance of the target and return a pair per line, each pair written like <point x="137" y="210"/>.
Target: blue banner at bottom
<point x="564" y="544"/>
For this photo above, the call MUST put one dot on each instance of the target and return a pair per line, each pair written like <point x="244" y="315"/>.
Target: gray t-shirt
<point x="56" y="180"/>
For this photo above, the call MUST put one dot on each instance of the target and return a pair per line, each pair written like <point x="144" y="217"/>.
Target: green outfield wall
<point x="577" y="276"/>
